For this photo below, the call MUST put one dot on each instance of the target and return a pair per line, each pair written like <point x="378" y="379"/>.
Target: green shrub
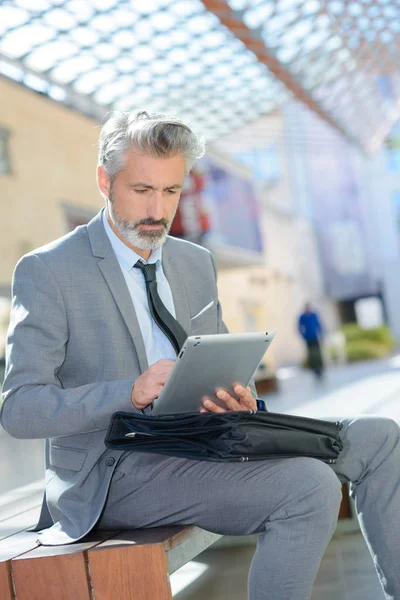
<point x="380" y="335"/>
<point x="352" y="332"/>
<point x="363" y="344"/>
<point x="365" y="350"/>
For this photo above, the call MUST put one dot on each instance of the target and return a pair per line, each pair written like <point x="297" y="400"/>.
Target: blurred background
<point x="298" y="196"/>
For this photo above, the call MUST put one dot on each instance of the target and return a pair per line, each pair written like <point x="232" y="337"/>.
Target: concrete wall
<point x="53" y="161"/>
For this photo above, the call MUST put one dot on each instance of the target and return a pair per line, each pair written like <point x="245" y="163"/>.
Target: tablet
<point x="209" y="362"/>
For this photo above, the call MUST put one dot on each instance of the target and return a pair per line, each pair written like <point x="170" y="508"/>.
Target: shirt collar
<point x="125" y="255"/>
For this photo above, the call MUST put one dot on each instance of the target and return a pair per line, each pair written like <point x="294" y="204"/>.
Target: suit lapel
<point x="115" y="280"/>
<point x="178" y="288"/>
<point x="111" y="271"/>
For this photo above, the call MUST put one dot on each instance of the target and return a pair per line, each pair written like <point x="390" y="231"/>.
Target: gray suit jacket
<point x="74" y="351"/>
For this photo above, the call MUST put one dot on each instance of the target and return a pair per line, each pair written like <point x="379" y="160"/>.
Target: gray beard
<point x="144" y="240"/>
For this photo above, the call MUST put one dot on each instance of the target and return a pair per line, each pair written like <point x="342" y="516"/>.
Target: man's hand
<point x="149" y="385"/>
<point x="244" y="401"/>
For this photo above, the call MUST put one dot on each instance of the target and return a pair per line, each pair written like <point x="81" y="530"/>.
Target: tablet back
<point x="208" y="362"/>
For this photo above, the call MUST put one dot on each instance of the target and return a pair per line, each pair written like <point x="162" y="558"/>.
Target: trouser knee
<point x="382" y="434"/>
<point x="321" y="498"/>
<point x="328" y="496"/>
<point x="385" y="431"/>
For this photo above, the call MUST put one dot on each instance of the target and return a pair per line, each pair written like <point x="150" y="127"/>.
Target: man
<point x="83" y="343"/>
<point x="310" y="329"/>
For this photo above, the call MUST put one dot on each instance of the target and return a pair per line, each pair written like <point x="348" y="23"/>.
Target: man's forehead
<point x="147" y="169"/>
<point x="138" y="156"/>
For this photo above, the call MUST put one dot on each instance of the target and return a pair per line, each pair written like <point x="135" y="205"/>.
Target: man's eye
<point x="172" y="191"/>
<point x="141" y="191"/>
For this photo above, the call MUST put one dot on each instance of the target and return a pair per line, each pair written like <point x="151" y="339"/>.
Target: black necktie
<point x="166" y="322"/>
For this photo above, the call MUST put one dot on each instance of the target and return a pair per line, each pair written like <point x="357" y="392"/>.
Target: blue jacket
<point x="309" y="326"/>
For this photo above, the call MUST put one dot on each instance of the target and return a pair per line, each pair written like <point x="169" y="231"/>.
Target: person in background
<point x="310" y="329"/>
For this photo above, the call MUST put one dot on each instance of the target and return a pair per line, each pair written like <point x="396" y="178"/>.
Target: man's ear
<point x="103" y="181"/>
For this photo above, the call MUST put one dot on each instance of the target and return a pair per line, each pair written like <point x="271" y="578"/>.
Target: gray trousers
<point x="292" y="503"/>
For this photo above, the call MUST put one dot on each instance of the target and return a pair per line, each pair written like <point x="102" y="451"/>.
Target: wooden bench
<point x="125" y="565"/>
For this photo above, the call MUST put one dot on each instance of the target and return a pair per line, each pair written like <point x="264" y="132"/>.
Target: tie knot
<point x="149" y="270"/>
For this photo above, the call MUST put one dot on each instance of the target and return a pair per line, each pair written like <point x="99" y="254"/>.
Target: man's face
<point x="143" y="199"/>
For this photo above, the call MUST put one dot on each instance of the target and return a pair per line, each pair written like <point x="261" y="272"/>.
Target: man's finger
<point x="229" y="400"/>
<point x="241" y="391"/>
<point x="212" y="407"/>
<point x="245" y="395"/>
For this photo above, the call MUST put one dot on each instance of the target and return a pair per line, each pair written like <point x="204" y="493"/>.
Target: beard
<point x="130" y="230"/>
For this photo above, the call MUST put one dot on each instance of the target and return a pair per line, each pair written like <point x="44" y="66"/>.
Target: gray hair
<point x="155" y="134"/>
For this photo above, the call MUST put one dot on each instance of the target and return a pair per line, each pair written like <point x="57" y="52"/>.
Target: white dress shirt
<point x="156" y="343"/>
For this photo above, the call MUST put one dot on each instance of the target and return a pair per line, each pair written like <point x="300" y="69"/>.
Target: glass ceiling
<point x="217" y="64"/>
<point x="161" y="55"/>
<point x="341" y="57"/>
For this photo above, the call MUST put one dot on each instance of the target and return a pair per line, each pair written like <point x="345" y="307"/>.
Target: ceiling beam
<point x="253" y="42"/>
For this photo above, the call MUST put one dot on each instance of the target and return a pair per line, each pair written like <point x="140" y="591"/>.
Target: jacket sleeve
<point x="222" y="328"/>
<point x="35" y="404"/>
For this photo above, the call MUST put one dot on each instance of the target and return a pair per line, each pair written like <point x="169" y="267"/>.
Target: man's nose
<point x="155" y="206"/>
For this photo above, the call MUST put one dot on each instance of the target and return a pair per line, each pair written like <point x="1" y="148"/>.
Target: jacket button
<point x="110" y="461"/>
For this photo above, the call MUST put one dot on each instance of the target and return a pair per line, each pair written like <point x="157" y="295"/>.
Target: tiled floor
<point x="346" y="573"/>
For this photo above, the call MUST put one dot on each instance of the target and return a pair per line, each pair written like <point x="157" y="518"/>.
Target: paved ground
<point x="346" y="572"/>
<point x="365" y="388"/>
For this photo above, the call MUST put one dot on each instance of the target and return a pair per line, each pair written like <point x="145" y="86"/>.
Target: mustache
<point x="162" y="222"/>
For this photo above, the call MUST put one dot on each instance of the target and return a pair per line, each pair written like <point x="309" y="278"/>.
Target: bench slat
<point x="19" y="522"/>
<point x="6" y="591"/>
<point x="153" y="535"/>
<point x="10" y="548"/>
<point x="38" y="578"/>
<point x="135" y="565"/>
<point x="130" y="573"/>
<point x="55" y="571"/>
<point x="178" y="554"/>
<point x="19" y="501"/>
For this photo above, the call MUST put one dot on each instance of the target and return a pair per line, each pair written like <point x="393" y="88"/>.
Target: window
<point x="5" y="163"/>
<point x="265" y="163"/>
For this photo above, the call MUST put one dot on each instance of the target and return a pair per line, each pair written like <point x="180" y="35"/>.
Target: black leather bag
<point x="230" y="436"/>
